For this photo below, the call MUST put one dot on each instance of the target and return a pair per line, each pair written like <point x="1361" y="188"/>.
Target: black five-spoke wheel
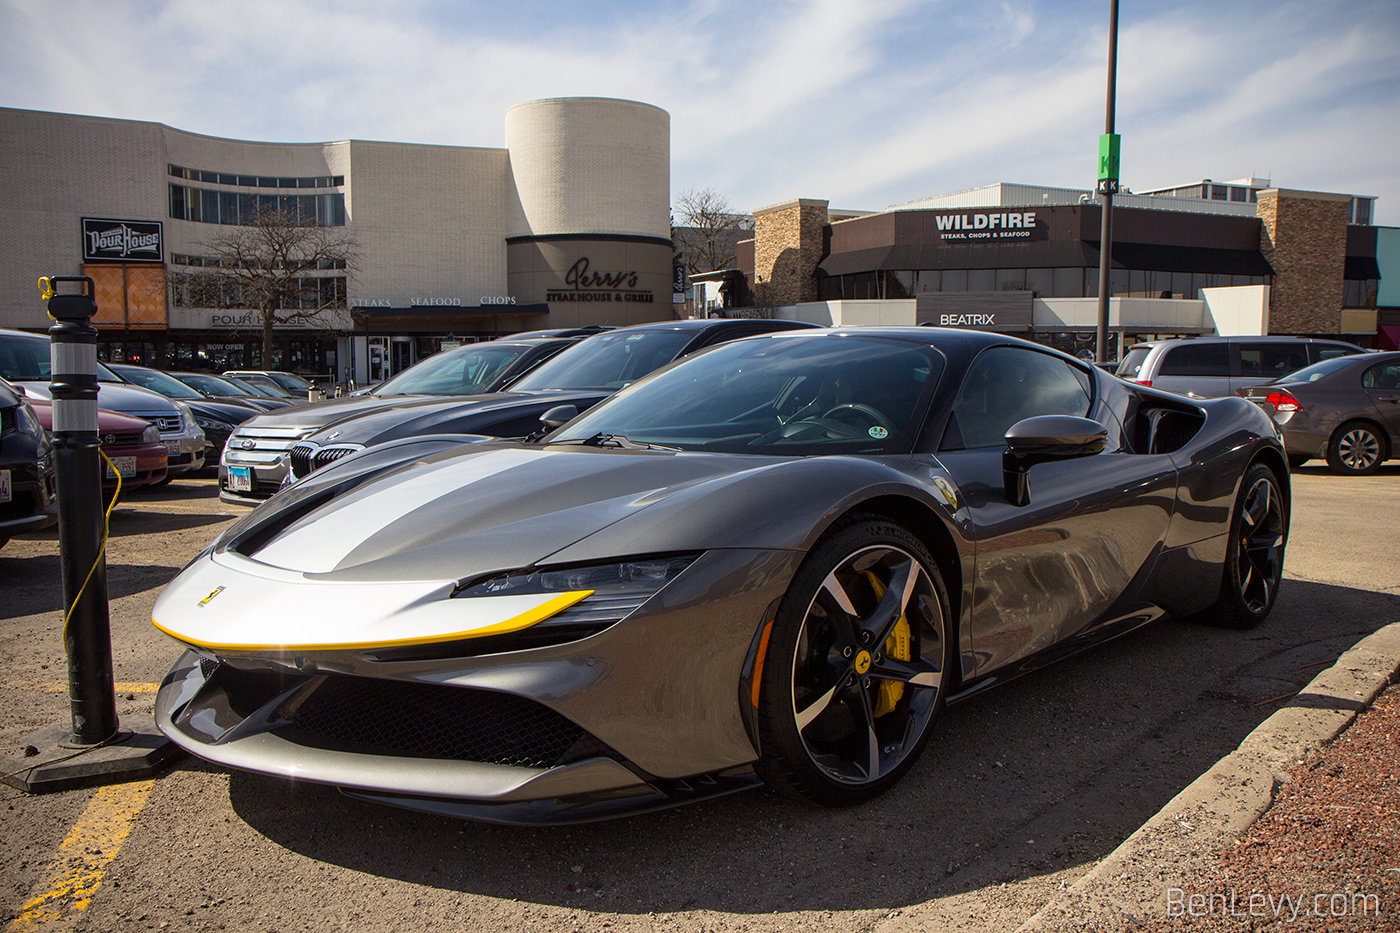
<point x="1254" y="563"/>
<point x="856" y="666"/>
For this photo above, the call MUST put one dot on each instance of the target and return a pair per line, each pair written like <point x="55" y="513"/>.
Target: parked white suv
<point x="1213" y="367"/>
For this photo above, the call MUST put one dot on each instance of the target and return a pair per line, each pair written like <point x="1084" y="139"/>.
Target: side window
<point x="1005" y="385"/>
<point x="1384" y="376"/>
<point x="1196" y="359"/>
<point x="1328" y="351"/>
<point x="1271" y="360"/>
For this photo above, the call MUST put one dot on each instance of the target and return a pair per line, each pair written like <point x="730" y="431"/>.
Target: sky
<point x="864" y="103"/>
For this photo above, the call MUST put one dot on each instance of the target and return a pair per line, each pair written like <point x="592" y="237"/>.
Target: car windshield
<point x="24" y="359"/>
<point x="466" y="371"/>
<point x="793" y="396"/>
<point x="156" y="381"/>
<point x="213" y="385"/>
<point x="608" y="361"/>
<point x="1132" y="363"/>
<point x="1317" y="370"/>
<point x="290" y="382"/>
<point x="266" y="385"/>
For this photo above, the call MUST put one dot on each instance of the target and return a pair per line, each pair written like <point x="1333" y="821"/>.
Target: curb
<point x="1125" y="888"/>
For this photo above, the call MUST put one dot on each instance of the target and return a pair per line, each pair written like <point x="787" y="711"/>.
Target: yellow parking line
<point x="83" y="857"/>
<point x="57" y="686"/>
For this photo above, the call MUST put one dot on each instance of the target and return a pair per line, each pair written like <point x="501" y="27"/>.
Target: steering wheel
<point x="870" y="414"/>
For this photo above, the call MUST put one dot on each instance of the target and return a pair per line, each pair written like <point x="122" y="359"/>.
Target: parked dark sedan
<point x="27" y="501"/>
<point x="1345" y="410"/>
<point x="573" y="381"/>
<point x="220" y="388"/>
<point x="256" y="461"/>
<point x="217" y="418"/>
<point x="775" y="560"/>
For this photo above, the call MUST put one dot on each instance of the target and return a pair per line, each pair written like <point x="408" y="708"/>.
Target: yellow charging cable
<point x="101" y="550"/>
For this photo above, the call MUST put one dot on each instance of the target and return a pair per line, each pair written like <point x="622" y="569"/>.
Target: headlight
<point x="151" y="435"/>
<point x="27" y="422"/>
<point x="211" y="424"/>
<point x="618" y="589"/>
<point x="185" y="411"/>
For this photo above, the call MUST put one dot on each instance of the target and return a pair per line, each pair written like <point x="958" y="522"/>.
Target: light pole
<point x="1108" y="186"/>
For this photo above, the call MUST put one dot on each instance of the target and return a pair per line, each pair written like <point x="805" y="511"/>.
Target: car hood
<point x="222" y="411"/>
<point x="459" y="413"/>
<point x="471" y="511"/>
<point x="132" y="400"/>
<point x="331" y="411"/>
<point x="108" y="422"/>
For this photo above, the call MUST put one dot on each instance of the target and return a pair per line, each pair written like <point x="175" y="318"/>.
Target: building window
<point x="1219" y="193"/>
<point x="205" y="205"/>
<point x="1239" y="194"/>
<point x="250" y="181"/>
<point x="1041" y="281"/>
<point x="1360" y="293"/>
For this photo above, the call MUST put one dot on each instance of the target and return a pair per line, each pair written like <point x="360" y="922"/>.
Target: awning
<point x="1048" y="254"/>
<point x="1361" y="267"/>
<point x="441" y="311"/>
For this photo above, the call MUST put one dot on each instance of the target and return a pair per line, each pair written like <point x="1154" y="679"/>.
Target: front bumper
<point x="262" y="452"/>
<point x="642" y="715"/>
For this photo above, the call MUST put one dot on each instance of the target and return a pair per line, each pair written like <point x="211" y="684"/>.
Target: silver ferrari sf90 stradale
<point x="775" y="561"/>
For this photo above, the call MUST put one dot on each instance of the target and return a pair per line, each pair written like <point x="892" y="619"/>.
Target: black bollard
<point x="87" y="636"/>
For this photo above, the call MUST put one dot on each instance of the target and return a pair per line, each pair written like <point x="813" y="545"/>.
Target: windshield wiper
<point x="603" y="439"/>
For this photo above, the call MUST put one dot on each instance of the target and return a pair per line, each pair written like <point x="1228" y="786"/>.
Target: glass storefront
<point x="216" y="351"/>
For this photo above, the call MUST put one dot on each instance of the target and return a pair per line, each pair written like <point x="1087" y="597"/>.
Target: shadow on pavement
<point x="32" y="585"/>
<point x="1045" y="773"/>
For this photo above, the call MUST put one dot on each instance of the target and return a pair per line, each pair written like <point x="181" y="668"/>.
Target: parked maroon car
<point x="132" y="444"/>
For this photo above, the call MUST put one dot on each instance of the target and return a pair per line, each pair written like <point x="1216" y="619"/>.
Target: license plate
<point x="5" y="493"/>
<point x="240" y="479"/>
<point x="172" y="447"/>
<point x="126" y="466"/>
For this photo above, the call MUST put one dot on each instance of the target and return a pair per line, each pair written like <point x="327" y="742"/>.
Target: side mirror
<point x="557" y="416"/>
<point x="1041" y="439"/>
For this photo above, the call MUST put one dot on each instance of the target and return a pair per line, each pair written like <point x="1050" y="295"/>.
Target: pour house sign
<point x="122" y="240"/>
<point x="584" y="284"/>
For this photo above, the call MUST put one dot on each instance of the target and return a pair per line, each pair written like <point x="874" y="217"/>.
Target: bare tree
<point x="709" y="230"/>
<point x="276" y="267"/>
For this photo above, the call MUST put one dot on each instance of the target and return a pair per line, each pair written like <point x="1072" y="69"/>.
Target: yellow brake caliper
<point x="897" y="646"/>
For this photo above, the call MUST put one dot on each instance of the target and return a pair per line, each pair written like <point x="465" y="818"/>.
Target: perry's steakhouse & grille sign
<point x="122" y="240"/>
<point x="584" y="285"/>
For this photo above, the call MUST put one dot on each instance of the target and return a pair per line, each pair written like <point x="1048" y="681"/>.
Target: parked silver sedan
<point x="1345" y="410"/>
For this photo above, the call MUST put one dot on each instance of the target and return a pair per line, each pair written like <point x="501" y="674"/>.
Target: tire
<point x="1357" y="449"/>
<point x="1254" y="557"/>
<point x="833" y="731"/>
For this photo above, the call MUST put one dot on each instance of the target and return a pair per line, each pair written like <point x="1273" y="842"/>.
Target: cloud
<point x="865" y="104"/>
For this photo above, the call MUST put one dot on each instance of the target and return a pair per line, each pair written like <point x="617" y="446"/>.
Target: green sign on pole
<point x="1108" y="156"/>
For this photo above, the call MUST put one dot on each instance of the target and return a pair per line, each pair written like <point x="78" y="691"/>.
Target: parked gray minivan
<point x="1213" y="367"/>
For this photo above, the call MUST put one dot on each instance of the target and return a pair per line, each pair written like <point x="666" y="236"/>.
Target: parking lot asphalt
<point x="1022" y="791"/>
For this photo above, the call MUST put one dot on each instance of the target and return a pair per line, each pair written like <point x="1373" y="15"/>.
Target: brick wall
<point x="787" y="248"/>
<point x="1304" y="238"/>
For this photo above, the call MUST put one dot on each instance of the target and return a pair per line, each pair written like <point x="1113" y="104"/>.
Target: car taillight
<point x="1143" y="382"/>
<point x="1282" y="401"/>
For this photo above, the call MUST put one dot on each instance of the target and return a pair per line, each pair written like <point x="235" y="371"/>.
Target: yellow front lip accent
<point x="514" y="624"/>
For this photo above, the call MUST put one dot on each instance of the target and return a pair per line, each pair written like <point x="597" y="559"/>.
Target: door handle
<point x="1390" y="398"/>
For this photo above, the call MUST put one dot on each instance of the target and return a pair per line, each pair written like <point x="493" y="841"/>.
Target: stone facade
<point x="1304" y="238"/>
<point x="787" y="249"/>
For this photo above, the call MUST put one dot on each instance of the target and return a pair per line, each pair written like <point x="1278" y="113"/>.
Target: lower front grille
<point x="432" y="721"/>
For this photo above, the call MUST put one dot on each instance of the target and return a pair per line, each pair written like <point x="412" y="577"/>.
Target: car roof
<point x="1260" y="338"/>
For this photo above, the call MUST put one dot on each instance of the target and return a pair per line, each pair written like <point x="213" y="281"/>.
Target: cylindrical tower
<point x="592" y="236"/>
<point x="591" y="165"/>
